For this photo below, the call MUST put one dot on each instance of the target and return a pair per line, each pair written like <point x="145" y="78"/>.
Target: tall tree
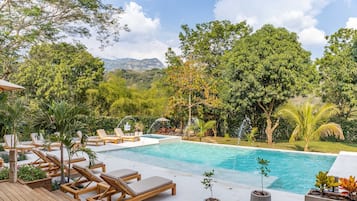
<point x="24" y="23"/>
<point x="264" y="70"/>
<point x="310" y="121"/>
<point x="193" y="87"/>
<point x="60" y="72"/>
<point x="338" y="69"/>
<point x="208" y="41"/>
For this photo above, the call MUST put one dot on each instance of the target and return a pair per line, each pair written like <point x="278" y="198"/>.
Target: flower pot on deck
<point x="260" y="196"/>
<point x="314" y="195"/>
<point x="45" y="183"/>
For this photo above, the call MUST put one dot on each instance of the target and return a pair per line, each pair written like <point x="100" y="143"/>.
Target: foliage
<point x="59" y="72"/>
<point x="310" y="121"/>
<point x="203" y="127"/>
<point x="324" y="182"/>
<point x="263" y="169"/>
<point x="349" y="185"/>
<point x="25" y="23"/>
<point x="207" y="42"/>
<point x="30" y="173"/>
<point x="338" y="70"/>
<point x="251" y="135"/>
<point x="349" y="129"/>
<point x="208" y="180"/>
<point x="2" y="147"/>
<point x="4" y="173"/>
<point x="60" y="117"/>
<point x="192" y="88"/>
<point x="265" y="69"/>
<point x="13" y="115"/>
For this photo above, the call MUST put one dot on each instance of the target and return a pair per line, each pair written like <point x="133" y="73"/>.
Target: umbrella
<point x="162" y="119"/>
<point x="8" y="86"/>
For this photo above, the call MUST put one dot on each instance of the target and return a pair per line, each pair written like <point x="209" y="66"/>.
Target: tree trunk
<point x="306" y="147"/>
<point x="13" y="166"/>
<point x="269" y="130"/>
<point x="62" y="165"/>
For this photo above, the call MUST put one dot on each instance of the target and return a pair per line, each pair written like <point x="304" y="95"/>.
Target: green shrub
<point x="30" y="173"/>
<point x="4" y="173"/>
<point x="2" y="148"/>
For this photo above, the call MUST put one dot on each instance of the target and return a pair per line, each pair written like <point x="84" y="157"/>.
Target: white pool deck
<point x="189" y="187"/>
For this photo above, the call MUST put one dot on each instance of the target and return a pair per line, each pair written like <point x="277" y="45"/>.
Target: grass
<point x="315" y="146"/>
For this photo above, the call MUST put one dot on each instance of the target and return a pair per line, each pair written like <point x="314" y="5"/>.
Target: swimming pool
<point x="290" y="171"/>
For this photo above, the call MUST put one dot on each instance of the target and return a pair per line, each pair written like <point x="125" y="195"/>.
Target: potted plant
<point x="208" y="184"/>
<point x="34" y="177"/>
<point x="261" y="195"/>
<point x="325" y="188"/>
<point x="350" y="185"/>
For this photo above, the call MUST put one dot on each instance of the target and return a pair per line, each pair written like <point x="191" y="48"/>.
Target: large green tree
<point x="24" y="23"/>
<point x="264" y="70"/>
<point x="207" y="42"/>
<point x="192" y="87"/>
<point x="311" y="121"/>
<point x="338" y="69"/>
<point x="60" y="72"/>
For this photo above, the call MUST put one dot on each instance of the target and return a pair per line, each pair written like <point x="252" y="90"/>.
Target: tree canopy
<point x="338" y="70"/>
<point x="24" y="23"/>
<point x="60" y="72"/>
<point x="264" y="70"/>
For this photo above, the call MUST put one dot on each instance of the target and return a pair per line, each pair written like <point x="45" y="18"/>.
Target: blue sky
<point x="155" y="24"/>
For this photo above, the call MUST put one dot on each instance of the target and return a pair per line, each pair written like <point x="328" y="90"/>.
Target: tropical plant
<point x="349" y="185"/>
<point x="13" y="116"/>
<point x="251" y="135"/>
<point x="208" y="182"/>
<point x="74" y="148"/>
<point x="30" y="173"/>
<point x="310" y="121"/>
<point x="203" y="127"/>
<point x="324" y="182"/>
<point x="263" y="170"/>
<point x="60" y="117"/>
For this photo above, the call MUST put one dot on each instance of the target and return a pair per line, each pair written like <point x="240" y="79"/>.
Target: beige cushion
<point x="122" y="173"/>
<point x="148" y="184"/>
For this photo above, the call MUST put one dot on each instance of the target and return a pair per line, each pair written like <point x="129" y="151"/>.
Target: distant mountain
<point x="132" y="64"/>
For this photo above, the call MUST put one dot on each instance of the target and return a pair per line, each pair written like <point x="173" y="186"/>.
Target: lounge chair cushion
<point x="148" y="184"/>
<point x="121" y="173"/>
<point x="86" y="163"/>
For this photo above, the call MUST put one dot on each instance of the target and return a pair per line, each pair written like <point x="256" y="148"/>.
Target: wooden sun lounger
<point x="103" y="135"/>
<point x="87" y="178"/>
<point x="41" y="142"/>
<point x="119" y="132"/>
<point x="136" y="191"/>
<point x="91" y="140"/>
<point x="10" y="143"/>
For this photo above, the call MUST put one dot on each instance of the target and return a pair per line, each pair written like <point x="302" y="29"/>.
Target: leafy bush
<point x="4" y="173"/>
<point x="30" y="173"/>
<point x="2" y="148"/>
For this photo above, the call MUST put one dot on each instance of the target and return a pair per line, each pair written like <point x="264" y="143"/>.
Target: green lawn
<point x="316" y="146"/>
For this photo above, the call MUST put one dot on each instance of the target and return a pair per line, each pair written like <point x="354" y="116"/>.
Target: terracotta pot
<point x="212" y="199"/>
<point x="260" y="196"/>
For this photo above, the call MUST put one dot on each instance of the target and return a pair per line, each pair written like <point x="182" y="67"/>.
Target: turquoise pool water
<point x="290" y="171"/>
<point x="154" y="136"/>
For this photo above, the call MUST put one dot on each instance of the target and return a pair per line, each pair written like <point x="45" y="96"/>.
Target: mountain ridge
<point x="132" y="64"/>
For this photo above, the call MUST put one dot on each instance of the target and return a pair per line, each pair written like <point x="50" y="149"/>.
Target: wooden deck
<point x="19" y="192"/>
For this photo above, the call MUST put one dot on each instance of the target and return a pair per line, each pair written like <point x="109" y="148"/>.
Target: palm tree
<point x="59" y="117"/>
<point x="203" y="127"/>
<point x="311" y="121"/>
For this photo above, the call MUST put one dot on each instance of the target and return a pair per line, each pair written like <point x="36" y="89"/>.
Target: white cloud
<point x="312" y="36"/>
<point x="298" y="16"/>
<point x="140" y="43"/>
<point x="351" y="23"/>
